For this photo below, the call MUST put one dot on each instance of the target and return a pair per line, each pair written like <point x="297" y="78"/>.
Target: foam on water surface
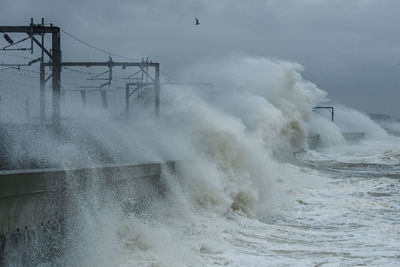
<point x="239" y="197"/>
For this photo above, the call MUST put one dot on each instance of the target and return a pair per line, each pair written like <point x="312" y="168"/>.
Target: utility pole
<point x="42" y="82"/>
<point x="127" y="95"/>
<point x="83" y="98"/>
<point x="55" y="57"/>
<point x="157" y="90"/>
<point x="56" y="78"/>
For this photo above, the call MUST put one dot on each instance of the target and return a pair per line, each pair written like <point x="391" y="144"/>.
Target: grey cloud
<point x="349" y="48"/>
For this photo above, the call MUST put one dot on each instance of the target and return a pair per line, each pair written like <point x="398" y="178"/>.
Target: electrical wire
<point x="79" y="71"/>
<point x="18" y="56"/>
<point x="115" y="78"/>
<point x="18" y="73"/>
<point x="167" y="75"/>
<point x="97" y="48"/>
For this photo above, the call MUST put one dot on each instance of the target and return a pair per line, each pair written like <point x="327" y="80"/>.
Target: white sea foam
<point x="240" y="198"/>
<point x="351" y="120"/>
<point x="237" y="200"/>
<point x="232" y="142"/>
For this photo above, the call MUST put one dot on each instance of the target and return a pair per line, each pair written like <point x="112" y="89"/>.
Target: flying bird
<point x="197" y="21"/>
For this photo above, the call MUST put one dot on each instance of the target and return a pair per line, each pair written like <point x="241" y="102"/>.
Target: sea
<point x="340" y="207"/>
<point x="248" y="189"/>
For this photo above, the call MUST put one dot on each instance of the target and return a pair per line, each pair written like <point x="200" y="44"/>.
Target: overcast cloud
<point x="350" y="48"/>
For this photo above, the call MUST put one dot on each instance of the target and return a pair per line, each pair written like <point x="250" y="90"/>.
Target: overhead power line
<point x="18" y="56"/>
<point x="97" y="48"/>
<point x="167" y="75"/>
<point x="78" y="71"/>
<point x="108" y="52"/>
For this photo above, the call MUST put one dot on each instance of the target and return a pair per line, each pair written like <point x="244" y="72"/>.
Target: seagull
<point x="197" y="21"/>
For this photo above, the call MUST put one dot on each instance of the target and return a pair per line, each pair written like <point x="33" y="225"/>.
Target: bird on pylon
<point x="197" y="21"/>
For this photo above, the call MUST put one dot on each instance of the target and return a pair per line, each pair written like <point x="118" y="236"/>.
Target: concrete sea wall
<point x="313" y="140"/>
<point x="36" y="199"/>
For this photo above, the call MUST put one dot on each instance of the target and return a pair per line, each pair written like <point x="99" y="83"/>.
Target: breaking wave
<point x="234" y="143"/>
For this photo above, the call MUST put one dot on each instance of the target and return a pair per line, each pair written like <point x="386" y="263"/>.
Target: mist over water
<point x="239" y="197"/>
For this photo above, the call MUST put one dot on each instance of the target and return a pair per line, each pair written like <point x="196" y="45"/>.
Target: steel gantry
<point x="145" y="81"/>
<point x="54" y="55"/>
<point x="55" y="63"/>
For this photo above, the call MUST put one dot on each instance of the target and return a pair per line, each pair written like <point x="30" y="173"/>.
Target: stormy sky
<point x="350" y="48"/>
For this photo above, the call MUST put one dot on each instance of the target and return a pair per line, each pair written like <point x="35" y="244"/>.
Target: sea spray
<point x="268" y="96"/>
<point x="231" y="142"/>
<point x="351" y="120"/>
<point x="329" y="133"/>
<point x="227" y="140"/>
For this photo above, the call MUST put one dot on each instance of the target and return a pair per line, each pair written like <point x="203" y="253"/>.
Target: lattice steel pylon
<point x="55" y="61"/>
<point x="143" y="83"/>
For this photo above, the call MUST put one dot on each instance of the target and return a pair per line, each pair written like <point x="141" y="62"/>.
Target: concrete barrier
<point x="30" y="199"/>
<point x="353" y="137"/>
<point x="313" y="140"/>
